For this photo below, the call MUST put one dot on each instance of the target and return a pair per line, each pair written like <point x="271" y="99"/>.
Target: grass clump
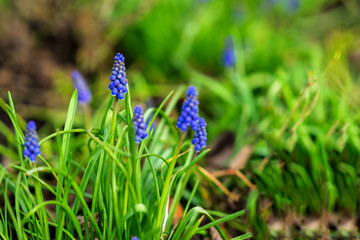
<point x="112" y="181"/>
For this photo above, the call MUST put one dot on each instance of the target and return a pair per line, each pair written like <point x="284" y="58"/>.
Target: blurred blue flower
<point x="135" y="238"/>
<point x="189" y="113"/>
<point x="200" y="138"/>
<point x="293" y="5"/>
<point x="118" y="79"/>
<point x="32" y="147"/>
<point x="272" y="1"/>
<point x="289" y="5"/>
<point x="229" y="59"/>
<point x="84" y="94"/>
<point x="139" y="125"/>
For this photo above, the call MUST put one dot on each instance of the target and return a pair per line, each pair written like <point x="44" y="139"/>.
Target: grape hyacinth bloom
<point x="118" y="79"/>
<point x="32" y="147"/>
<point x="200" y="138"/>
<point x="189" y="113"/>
<point x="139" y="125"/>
<point x="229" y="53"/>
<point x="84" y="94"/>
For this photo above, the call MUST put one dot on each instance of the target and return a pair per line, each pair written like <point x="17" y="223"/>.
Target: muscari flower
<point x="139" y="125"/>
<point x="84" y="94"/>
<point x="32" y="147"/>
<point x="118" y="79"/>
<point x="229" y="59"/>
<point x="189" y="113"/>
<point x="200" y="138"/>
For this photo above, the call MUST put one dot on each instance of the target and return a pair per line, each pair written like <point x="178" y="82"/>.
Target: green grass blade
<point x="60" y="215"/>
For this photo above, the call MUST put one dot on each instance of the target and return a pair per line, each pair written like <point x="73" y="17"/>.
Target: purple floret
<point x="118" y="79"/>
<point x="32" y="147"/>
<point x="200" y="138"/>
<point x="189" y="113"/>
<point x="139" y="125"/>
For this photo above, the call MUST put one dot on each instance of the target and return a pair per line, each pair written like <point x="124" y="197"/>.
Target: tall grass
<point x="119" y="189"/>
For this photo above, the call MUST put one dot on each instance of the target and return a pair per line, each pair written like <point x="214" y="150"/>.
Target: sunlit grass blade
<point x="244" y="236"/>
<point x="60" y="215"/>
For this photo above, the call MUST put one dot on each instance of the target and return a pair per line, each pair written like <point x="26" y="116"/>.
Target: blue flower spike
<point x="200" y="138"/>
<point x="84" y="94"/>
<point x="229" y="58"/>
<point x="139" y="125"/>
<point x="135" y="238"/>
<point x="32" y="147"/>
<point x="118" y="79"/>
<point x="189" y="113"/>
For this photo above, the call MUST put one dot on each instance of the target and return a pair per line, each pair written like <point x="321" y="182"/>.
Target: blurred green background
<point x="285" y="115"/>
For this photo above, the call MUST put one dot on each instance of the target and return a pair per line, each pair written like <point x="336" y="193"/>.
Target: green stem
<point x="137" y="176"/>
<point x="113" y="121"/>
<point x="63" y="160"/>
<point x="166" y="188"/>
<point x="43" y="215"/>
<point x="126" y="196"/>
<point x="115" y="198"/>
<point x="97" y="185"/>
<point x="20" y="139"/>
<point x="177" y="197"/>
<point x="17" y="205"/>
<point x="135" y="171"/>
<point x="110" y="165"/>
<point x="61" y="132"/>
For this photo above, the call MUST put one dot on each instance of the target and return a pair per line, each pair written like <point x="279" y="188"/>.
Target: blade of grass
<point x="60" y="215"/>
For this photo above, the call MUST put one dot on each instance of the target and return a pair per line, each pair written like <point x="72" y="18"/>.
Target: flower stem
<point x="110" y="164"/>
<point x="43" y="215"/>
<point x="113" y="121"/>
<point x="166" y="188"/>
